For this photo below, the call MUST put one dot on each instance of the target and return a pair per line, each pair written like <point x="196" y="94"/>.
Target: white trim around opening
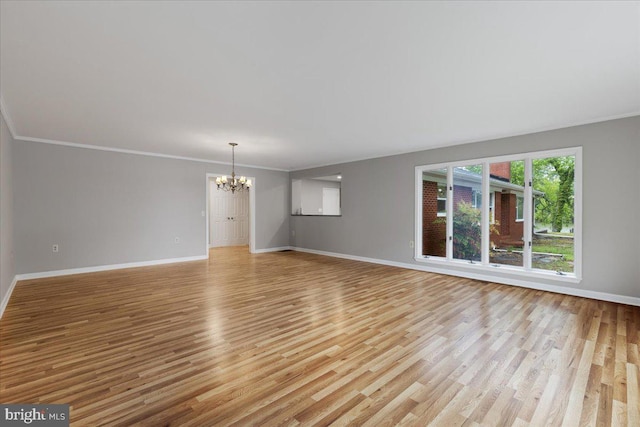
<point x="449" y="265"/>
<point x="210" y="178"/>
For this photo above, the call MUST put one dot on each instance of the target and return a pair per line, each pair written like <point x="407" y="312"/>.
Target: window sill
<point x="477" y="270"/>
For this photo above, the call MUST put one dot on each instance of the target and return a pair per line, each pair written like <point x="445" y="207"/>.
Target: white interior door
<point x="240" y="219"/>
<point x="330" y="201"/>
<point x="228" y="218"/>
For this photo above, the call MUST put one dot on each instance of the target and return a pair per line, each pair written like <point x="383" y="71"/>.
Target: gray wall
<point x="7" y="265"/>
<point x="378" y="201"/>
<point x="106" y="208"/>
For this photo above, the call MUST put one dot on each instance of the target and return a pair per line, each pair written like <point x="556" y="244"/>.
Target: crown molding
<point x="15" y="136"/>
<point x="5" y="114"/>
<point x="483" y="139"/>
<point x="135" y="152"/>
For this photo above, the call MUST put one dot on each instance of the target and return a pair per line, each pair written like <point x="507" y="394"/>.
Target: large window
<point x="520" y="213"/>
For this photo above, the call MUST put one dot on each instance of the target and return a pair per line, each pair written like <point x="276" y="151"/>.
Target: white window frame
<point x="484" y="270"/>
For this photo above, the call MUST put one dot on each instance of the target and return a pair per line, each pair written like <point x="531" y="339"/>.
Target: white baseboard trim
<point x="82" y="270"/>
<point x="603" y="296"/>
<point x="6" y="298"/>
<point x="281" y="248"/>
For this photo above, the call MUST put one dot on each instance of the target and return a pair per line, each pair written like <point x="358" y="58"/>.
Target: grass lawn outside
<point x="554" y="245"/>
<point x="549" y="244"/>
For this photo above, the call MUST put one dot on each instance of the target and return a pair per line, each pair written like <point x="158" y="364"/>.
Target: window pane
<point x="507" y="234"/>
<point x="553" y="239"/>
<point x="467" y="204"/>
<point x="434" y="211"/>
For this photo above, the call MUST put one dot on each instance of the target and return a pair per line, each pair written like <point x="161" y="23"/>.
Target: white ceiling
<point x="299" y="84"/>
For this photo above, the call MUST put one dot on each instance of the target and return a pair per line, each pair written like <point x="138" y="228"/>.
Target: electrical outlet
<point x="411" y="244"/>
<point x="177" y="240"/>
<point x="293" y="233"/>
<point x="55" y="248"/>
<point x="202" y="213"/>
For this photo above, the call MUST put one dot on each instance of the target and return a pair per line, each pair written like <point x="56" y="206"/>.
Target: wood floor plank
<point x="292" y="338"/>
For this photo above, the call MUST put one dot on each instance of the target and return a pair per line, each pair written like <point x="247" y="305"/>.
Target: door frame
<point x="210" y="180"/>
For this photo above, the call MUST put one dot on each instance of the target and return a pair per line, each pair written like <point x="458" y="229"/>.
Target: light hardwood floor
<point x="298" y="339"/>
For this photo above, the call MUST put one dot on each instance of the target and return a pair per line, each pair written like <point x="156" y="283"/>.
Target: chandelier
<point x="234" y="184"/>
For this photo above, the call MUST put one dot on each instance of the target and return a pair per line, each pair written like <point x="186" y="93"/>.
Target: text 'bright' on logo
<point x="37" y="415"/>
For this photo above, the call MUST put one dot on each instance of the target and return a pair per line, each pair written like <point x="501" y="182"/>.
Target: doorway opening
<point x="230" y="217"/>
